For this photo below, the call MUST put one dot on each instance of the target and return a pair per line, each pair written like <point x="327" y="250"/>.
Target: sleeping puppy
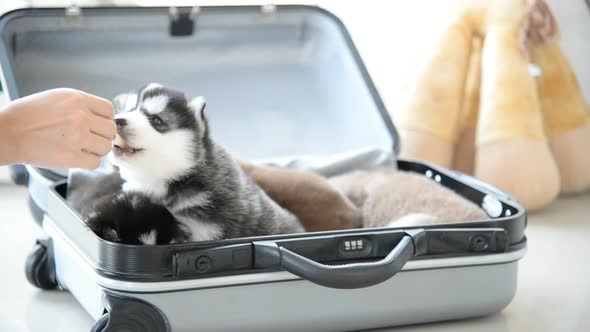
<point x="310" y="197"/>
<point x="123" y="217"/>
<point x="133" y="218"/>
<point x="164" y="150"/>
<point x="391" y="198"/>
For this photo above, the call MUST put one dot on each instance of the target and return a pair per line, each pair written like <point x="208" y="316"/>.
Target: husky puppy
<point x="116" y="216"/>
<point x="164" y="149"/>
<point x="133" y="218"/>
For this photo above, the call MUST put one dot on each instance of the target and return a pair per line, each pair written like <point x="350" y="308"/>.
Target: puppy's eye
<point x="155" y="120"/>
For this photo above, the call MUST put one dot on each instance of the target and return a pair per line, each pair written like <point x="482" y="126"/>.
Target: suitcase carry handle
<point x="353" y="275"/>
<point x="347" y="276"/>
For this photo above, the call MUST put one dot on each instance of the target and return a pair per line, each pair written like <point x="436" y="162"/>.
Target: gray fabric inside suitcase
<point x="276" y="86"/>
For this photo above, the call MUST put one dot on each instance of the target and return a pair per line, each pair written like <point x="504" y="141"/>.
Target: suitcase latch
<point x="268" y="13"/>
<point x="73" y="16"/>
<point x="73" y="11"/>
<point x="182" y="21"/>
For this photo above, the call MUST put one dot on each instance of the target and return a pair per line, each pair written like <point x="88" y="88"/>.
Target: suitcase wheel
<point x="101" y="323"/>
<point x="19" y="175"/>
<point x="124" y="313"/>
<point x="40" y="268"/>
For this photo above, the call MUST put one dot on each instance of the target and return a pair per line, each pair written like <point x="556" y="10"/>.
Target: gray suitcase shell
<point x="294" y="67"/>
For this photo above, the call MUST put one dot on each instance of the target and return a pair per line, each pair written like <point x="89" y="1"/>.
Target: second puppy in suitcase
<point x="164" y="149"/>
<point x="133" y="218"/>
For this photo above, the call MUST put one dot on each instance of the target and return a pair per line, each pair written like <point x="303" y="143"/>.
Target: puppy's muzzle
<point x="120" y="123"/>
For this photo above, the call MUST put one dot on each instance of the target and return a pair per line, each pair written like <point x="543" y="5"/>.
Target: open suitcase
<point x="282" y="80"/>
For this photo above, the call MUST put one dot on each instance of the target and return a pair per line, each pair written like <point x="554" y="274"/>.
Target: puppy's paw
<point x="102" y="226"/>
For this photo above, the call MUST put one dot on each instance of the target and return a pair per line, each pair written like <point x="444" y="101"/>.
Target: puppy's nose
<point x="120" y="123"/>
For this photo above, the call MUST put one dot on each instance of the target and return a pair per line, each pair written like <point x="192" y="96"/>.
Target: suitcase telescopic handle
<point x="346" y="276"/>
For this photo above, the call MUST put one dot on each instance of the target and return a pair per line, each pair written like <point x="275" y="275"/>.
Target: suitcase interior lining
<point x="278" y="86"/>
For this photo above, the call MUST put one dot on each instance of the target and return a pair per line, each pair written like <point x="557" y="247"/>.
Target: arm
<point x="7" y="140"/>
<point x="57" y="128"/>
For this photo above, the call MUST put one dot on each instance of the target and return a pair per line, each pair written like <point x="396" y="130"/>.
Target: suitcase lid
<point x="279" y="82"/>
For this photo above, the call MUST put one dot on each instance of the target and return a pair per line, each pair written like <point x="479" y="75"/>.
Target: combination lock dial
<point x="355" y="247"/>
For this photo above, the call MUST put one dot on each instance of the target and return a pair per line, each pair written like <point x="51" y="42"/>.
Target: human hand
<point x="59" y="128"/>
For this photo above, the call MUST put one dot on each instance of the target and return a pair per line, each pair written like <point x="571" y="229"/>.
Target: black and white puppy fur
<point x="117" y="216"/>
<point x="164" y="150"/>
<point x="133" y="218"/>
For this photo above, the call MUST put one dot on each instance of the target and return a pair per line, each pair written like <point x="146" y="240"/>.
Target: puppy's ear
<point x="198" y="106"/>
<point x="124" y="102"/>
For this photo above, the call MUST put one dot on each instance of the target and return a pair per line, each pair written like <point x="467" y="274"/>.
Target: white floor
<point x="553" y="292"/>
